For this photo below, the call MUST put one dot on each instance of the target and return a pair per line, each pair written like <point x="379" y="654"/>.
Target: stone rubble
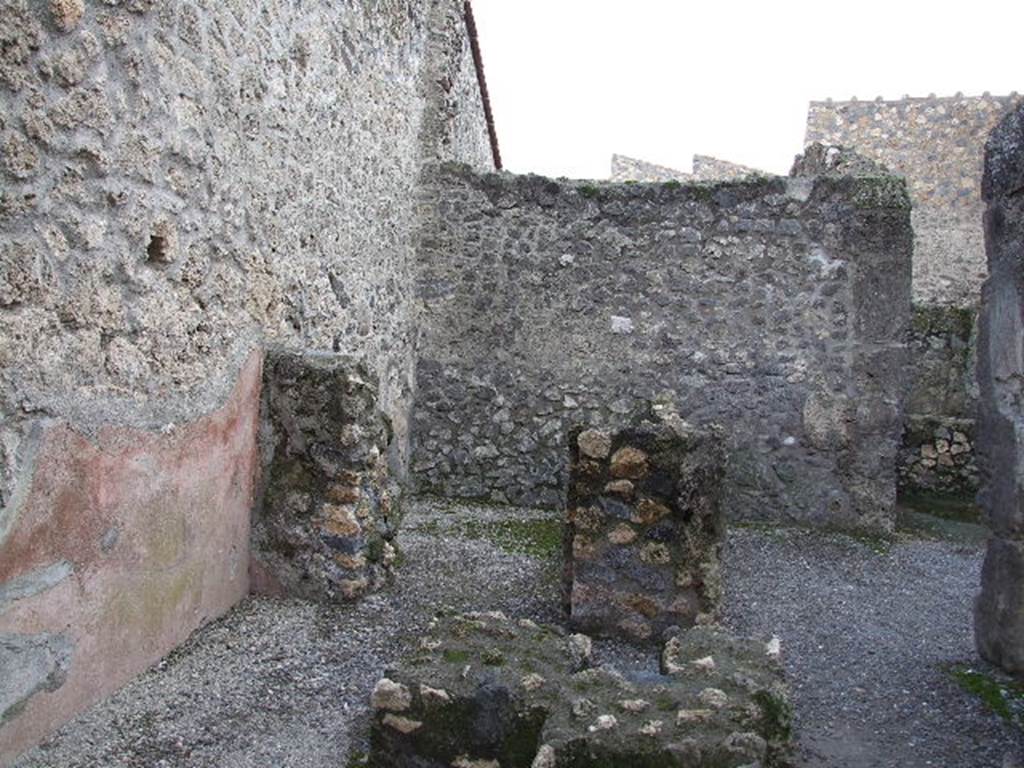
<point x="485" y="690"/>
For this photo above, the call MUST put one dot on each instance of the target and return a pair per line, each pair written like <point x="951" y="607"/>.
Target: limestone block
<point x="644" y="526"/>
<point x="485" y="690"/>
<point x="329" y="508"/>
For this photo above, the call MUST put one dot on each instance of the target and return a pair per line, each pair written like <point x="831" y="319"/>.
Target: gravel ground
<point x="867" y="633"/>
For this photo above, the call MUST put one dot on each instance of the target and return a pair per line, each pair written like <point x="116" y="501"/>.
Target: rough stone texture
<point x="483" y="691"/>
<point x="644" y="527"/>
<point x="999" y="612"/>
<point x="110" y="564"/>
<point x="705" y="168"/>
<point x="938" y="456"/>
<point x="938" y="442"/>
<point x="937" y="144"/>
<point x="775" y="307"/>
<point x="182" y="178"/>
<point x="179" y="182"/>
<point x="329" y="509"/>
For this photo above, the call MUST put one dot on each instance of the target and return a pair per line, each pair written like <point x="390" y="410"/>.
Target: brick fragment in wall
<point x="644" y="525"/>
<point x="329" y="509"/>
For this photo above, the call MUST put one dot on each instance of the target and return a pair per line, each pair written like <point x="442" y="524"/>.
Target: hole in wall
<point x="157" y="249"/>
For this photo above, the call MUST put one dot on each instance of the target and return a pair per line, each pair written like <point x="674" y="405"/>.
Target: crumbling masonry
<point x="257" y="272"/>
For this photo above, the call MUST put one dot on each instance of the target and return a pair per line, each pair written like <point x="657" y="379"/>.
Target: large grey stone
<point x="999" y="609"/>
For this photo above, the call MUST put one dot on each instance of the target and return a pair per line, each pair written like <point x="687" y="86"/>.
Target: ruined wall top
<point x="705" y="168"/>
<point x="937" y="144"/>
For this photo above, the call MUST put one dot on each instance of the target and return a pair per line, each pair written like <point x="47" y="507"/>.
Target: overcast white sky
<point x="573" y="81"/>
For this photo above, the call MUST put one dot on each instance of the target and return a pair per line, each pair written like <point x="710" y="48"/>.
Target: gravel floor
<point x="867" y="634"/>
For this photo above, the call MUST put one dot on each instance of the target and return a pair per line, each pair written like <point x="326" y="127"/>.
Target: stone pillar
<point x="999" y="610"/>
<point x="644" y="526"/>
<point x="328" y="511"/>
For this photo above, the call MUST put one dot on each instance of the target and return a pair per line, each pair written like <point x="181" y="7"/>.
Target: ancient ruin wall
<point x="937" y="143"/>
<point x="179" y="182"/>
<point x="705" y="168"/>
<point x="630" y="169"/>
<point x="999" y="610"/>
<point x="775" y="307"/>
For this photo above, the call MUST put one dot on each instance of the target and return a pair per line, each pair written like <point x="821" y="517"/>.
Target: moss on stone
<point x="1005" y="697"/>
<point x="941" y="320"/>
<point x="455" y="656"/>
<point x="881" y="192"/>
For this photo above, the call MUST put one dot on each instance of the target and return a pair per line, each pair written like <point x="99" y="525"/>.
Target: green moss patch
<point x="940" y="320"/>
<point x="540" y="538"/>
<point x="1004" y="696"/>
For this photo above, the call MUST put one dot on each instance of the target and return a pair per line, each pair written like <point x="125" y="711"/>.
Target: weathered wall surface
<point x="938" y="145"/>
<point x="938" y="445"/>
<point x="179" y="182"/>
<point x="125" y="542"/>
<point x="775" y="307"/>
<point x="704" y="168"/>
<point x="999" y="611"/>
<point x="630" y="169"/>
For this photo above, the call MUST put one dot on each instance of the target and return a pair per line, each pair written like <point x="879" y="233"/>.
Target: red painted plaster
<point x="179" y="504"/>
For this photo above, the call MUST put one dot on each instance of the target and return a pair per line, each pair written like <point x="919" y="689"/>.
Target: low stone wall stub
<point x="124" y="543"/>
<point x="482" y="691"/>
<point x="328" y="508"/>
<point x="644" y="526"/>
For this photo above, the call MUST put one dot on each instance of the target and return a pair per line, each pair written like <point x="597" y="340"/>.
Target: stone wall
<point x="938" y="444"/>
<point x="937" y="144"/>
<point x="775" y="307"/>
<point x="705" y="168"/>
<point x="999" y="611"/>
<point x="180" y="182"/>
